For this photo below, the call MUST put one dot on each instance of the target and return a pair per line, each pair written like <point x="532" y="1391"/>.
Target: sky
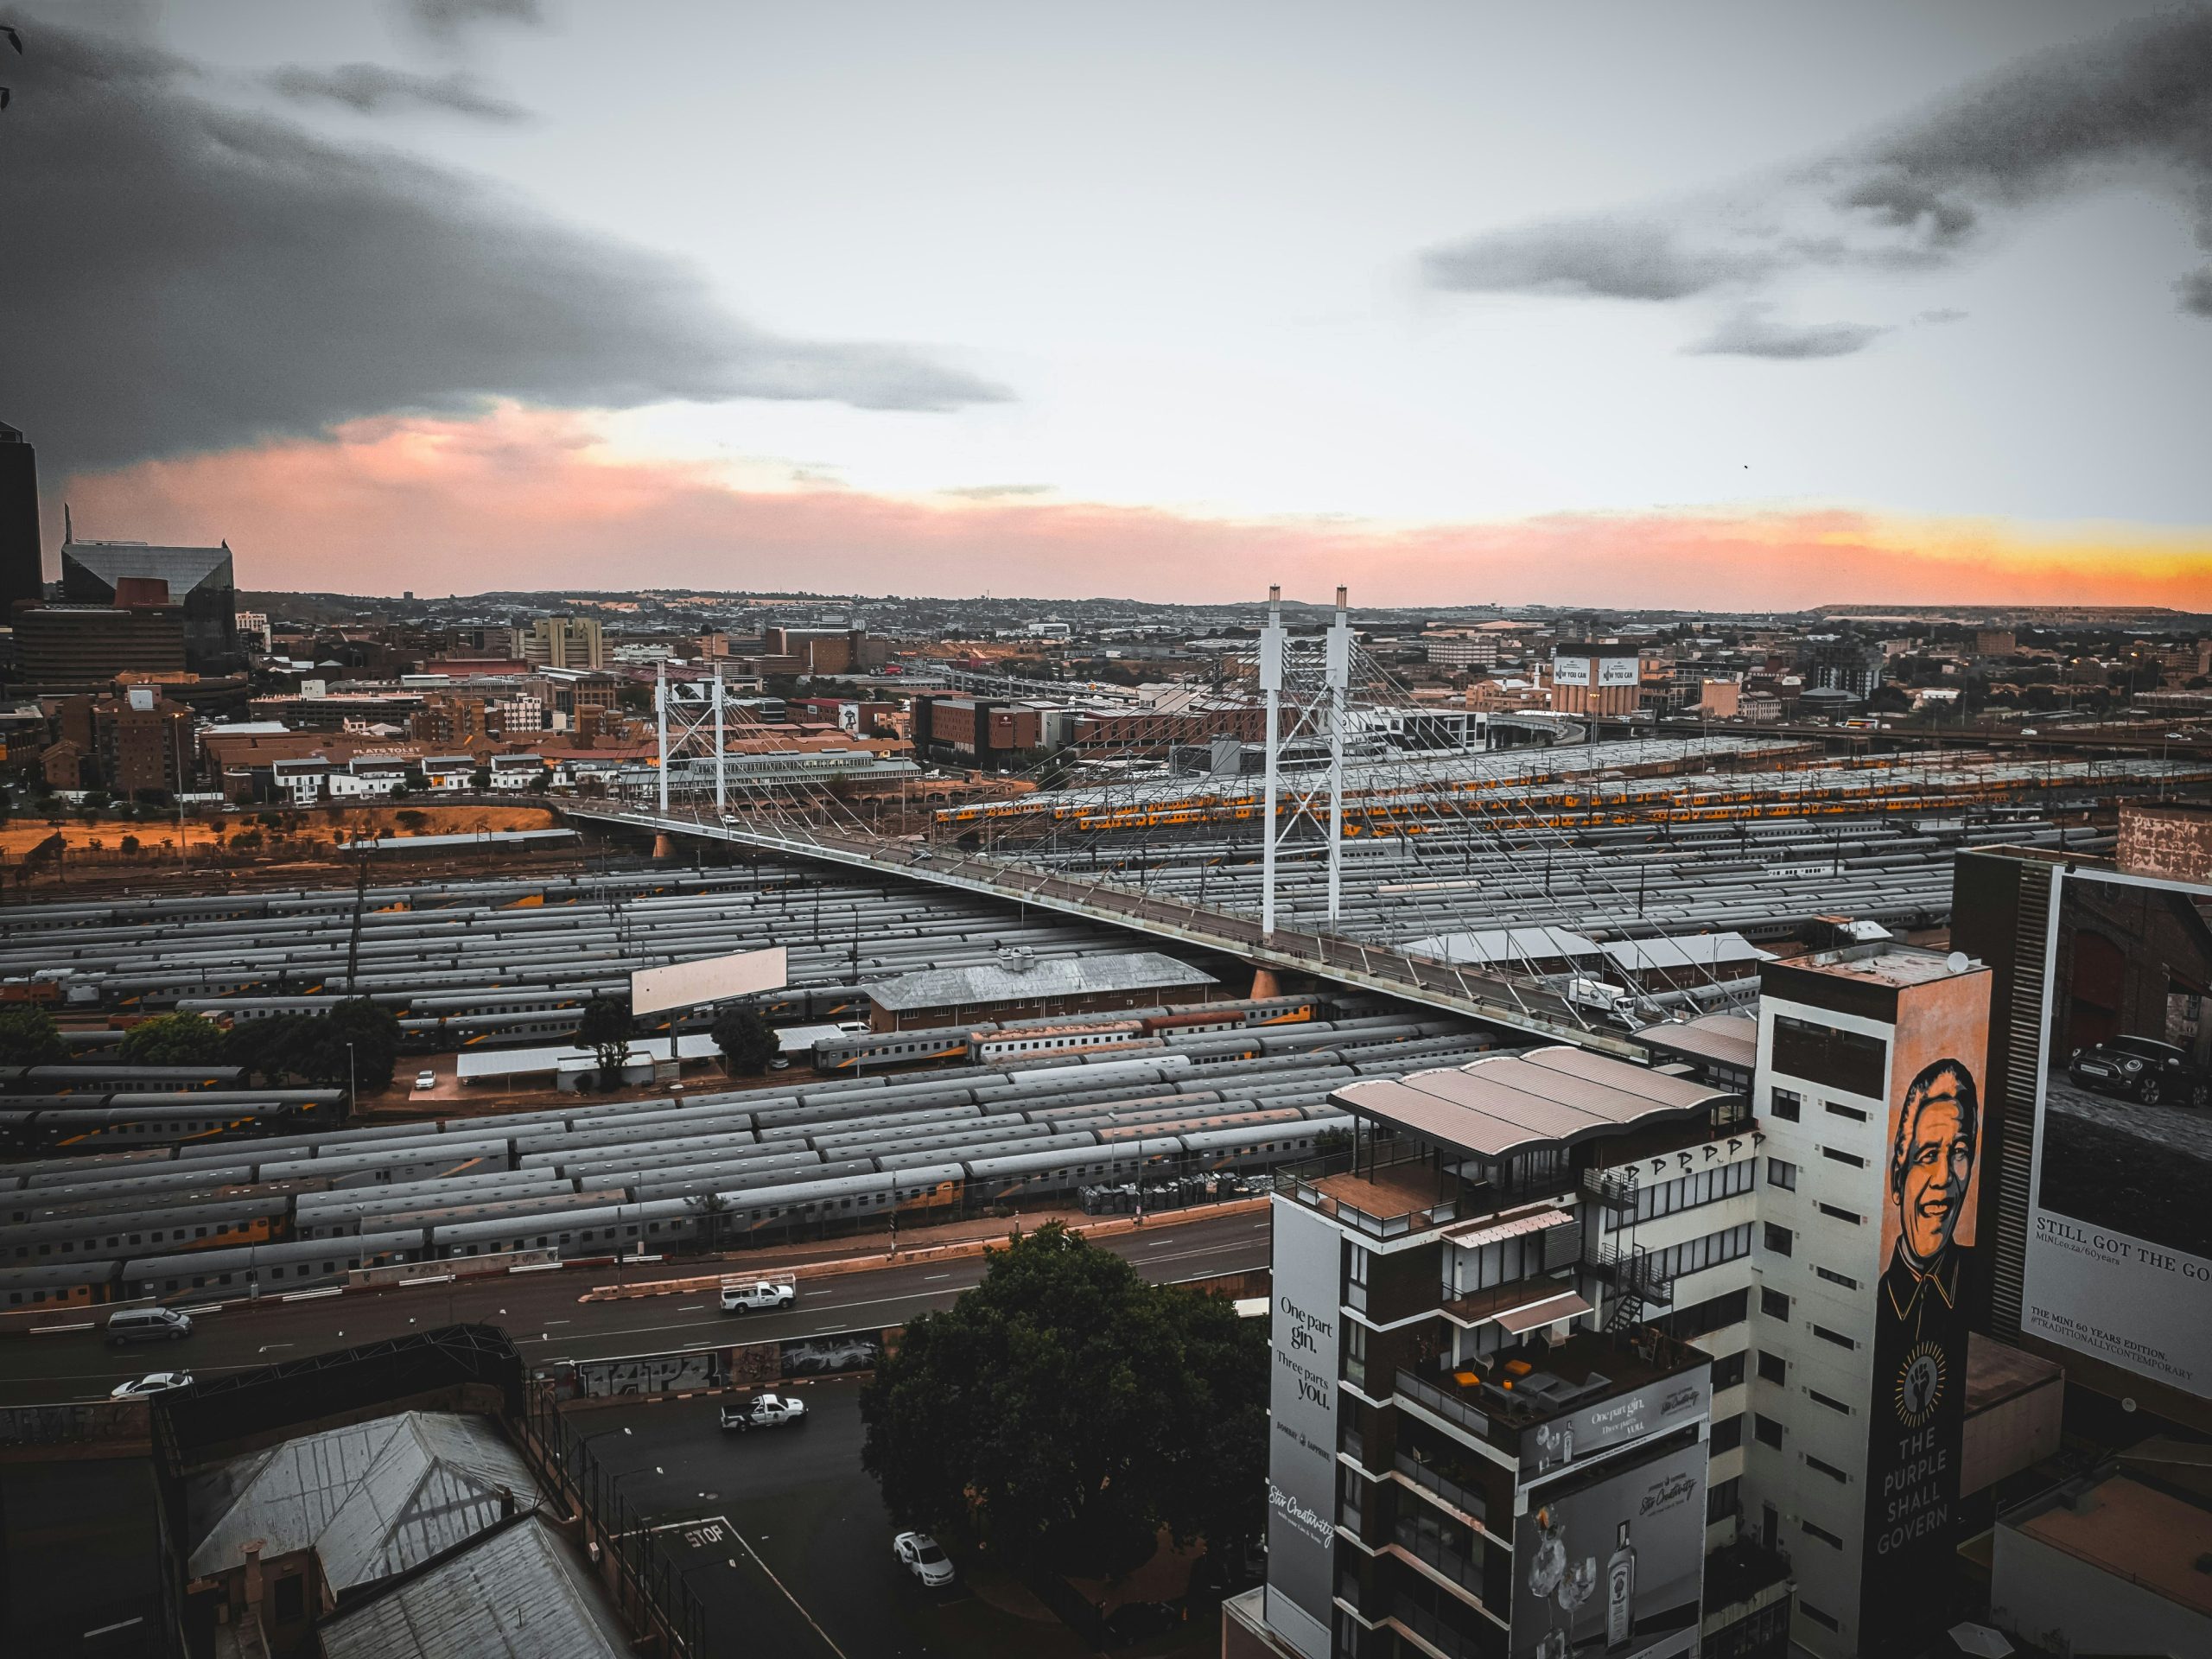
<point x="1721" y="306"/>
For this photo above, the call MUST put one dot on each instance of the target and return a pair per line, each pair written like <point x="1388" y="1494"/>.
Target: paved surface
<point x="784" y="1537"/>
<point x="540" y="1311"/>
<point x="2183" y="1129"/>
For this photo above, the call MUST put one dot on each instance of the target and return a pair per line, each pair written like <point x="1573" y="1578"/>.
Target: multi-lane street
<point x="68" y="1359"/>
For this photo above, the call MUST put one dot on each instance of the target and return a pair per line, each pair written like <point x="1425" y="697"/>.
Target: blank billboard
<point x="711" y="979"/>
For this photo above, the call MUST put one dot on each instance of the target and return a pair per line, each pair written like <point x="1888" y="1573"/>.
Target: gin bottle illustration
<point x="1620" y="1594"/>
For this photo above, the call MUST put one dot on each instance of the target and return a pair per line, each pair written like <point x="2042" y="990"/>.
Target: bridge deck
<point x="1490" y="998"/>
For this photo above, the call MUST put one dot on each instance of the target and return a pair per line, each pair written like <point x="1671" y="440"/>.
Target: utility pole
<point x="660" y="712"/>
<point x="721" y="759"/>
<point x="1339" y="682"/>
<point x="1271" y="663"/>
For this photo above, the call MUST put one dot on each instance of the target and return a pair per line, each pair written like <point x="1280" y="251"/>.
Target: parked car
<point x="152" y="1382"/>
<point x="765" y="1411"/>
<point x="2142" y="1068"/>
<point x="149" y="1324"/>
<point x="426" y="1080"/>
<point x="762" y="1293"/>
<point x="922" y="1557"/>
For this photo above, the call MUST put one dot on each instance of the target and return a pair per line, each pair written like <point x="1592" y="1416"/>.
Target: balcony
<point x="1388" y="1189"/>
<point x="1434" y="1551"/>
<point x="1631" y="1272"/>
<point x="1609" y="1192"/>
<point x="1513" y="1391"/>
<point x="1431" y="1479"/>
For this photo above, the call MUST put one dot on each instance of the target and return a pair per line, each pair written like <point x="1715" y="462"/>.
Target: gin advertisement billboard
<point x="1304" y="1336"/>
<point x="1611" y="1561"/>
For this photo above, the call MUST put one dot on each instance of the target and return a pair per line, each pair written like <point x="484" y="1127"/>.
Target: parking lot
<point x="785" y="1540"/>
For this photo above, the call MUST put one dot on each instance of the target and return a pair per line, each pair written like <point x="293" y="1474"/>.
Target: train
<point x="982" y="1042"/>
<point x="241" y="1255"/>
<point x="30" y="1122"/>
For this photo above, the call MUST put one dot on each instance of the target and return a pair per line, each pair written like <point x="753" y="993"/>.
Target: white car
<point x="765" y="1294"/>
<point x="424" y="1080"/>
<point x="152" y="1382"/>
<point x="767" y="1411"/>
<point x="924" y="1558"/>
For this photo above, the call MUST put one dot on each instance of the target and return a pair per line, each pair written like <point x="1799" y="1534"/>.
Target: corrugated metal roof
<point x="370" y="1499"/>
<point x="1683" y="950"/>
<point x="1504" y="1103"/>
<point x="515" y="1596"/>
<point x="945" y="987"/>
<point x="1488" y="944"/>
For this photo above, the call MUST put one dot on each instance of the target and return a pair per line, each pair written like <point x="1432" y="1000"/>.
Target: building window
<point x="1820" y="1399"/>
<point x="1835" y="1337"/>
<point x="1773" y="1304"/>
<point x="1773" y="1368"/>
<point x="1821" y="1533"/>
<point x="1781" y="1172"/>
<point x="1768" y="1430"/>
<point x="1356" y="1279"/>
<point x="1720" y="1501"/>
<point x="1727" y="1434"/>
<point x="1836" y="1277"/>
<point x="1786" y="1104"/>
<point x="1356" y="1353"/>
<point x="1851" y="1112"/>
<point x="1827" y="1469"/>
<point x="1842" y="1059"/>
<point x="1851" y="1158"/>
<point x="291" y="1599"/>
<point x="1835" y="1213"/>
<point x="1778" y="1240"/>
<point x="1825" y="1621"/>
<point x="1728" y="1372"/>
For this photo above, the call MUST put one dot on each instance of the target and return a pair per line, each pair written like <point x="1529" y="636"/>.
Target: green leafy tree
<point x="604" y="1028"/>
<point x="278" y="1047"/>
<point x="173" y="1039"/>
<point x="747" y="1043"/>
<point x="29" y="1037"/>
<point x="373" y="1031"/>
<point x="1068" y="1411"/>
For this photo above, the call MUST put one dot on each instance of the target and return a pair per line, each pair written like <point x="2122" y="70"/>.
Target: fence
<point x="647" y="1580"/>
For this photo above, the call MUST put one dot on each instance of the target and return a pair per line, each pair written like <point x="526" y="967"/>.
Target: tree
<point x="276" y="1047"/>
<point x="604" y="1027"/>
<point x="747" y="1043"/>
<point x="173" y="1039"/>
<point x="480" y="779"/>
<point x="1068" y="1411"/>
<point x="373" y="1032"/>
<point x="29" y="1037"/>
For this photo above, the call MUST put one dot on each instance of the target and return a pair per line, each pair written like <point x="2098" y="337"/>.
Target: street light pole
<point x="352" y="1088"/>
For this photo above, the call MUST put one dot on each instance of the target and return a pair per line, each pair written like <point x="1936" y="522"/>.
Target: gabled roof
<point x="370" y="1499"/>
<point x="516" y="1595"/>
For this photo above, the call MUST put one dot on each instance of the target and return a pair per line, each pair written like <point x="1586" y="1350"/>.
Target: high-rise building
<point x="1508" y="1330"/>
<point x="199" y="581"/>
<point x="564" y="642"/>
<point x="1873" y="1061"/>
<point x="23" y="572"/>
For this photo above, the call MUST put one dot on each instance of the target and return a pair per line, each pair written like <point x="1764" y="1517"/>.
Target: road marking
<point x="927" y="1277"/>
<point x="309" y="1295"/>
<point x="267" y="1347"/>
<point x="49" y="1330"/>
<point x="690" y="1345"/>
<point x="692" y="1307"/>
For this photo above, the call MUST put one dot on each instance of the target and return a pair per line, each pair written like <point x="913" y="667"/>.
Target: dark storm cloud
<point x="1749" y="332"/>
<point x="372" y="88"/>
<point x="1622" y="259"/>
<point x="2133" y="107"/>
<point x="182" y="277"/>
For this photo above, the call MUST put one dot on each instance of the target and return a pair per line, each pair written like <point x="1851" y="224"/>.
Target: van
<point x="149" y="1324"/>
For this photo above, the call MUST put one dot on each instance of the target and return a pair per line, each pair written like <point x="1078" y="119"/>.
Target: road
<point x="783" y="1536"/>
<point x="540" y="1311"/>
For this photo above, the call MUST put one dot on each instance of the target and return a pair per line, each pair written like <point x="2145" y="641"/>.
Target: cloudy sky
<point x="1723" y="305"/>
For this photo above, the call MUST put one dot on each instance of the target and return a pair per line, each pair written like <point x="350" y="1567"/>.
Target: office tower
<point x="22" y="572"/>
<point x="1872" y="1066"/>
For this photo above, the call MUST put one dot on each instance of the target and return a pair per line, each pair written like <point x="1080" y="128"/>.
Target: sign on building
<point x="1304" y="1339"/>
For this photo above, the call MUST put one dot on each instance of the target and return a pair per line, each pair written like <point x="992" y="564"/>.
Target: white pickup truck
<point x="758" y="1293"/>
<point x="765" y="1411"/>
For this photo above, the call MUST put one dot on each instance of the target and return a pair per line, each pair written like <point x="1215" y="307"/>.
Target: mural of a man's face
<point x="1935" y="1158"/>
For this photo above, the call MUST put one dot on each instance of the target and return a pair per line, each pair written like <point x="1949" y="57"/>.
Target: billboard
<point x="1303" y="1340"/>
<point x="1934" y="1133"/>
<point x="1620" y="671"/>
<point x="1570" y="670"/>
<point x="2118" y="1261"/>
<point x="1653" y="1408"/>
<point x="1613" y="1563"/>
<point x="711" y="979"/>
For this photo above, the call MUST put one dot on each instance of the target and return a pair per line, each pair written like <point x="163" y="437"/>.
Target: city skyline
<point x="468" y="297"/>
